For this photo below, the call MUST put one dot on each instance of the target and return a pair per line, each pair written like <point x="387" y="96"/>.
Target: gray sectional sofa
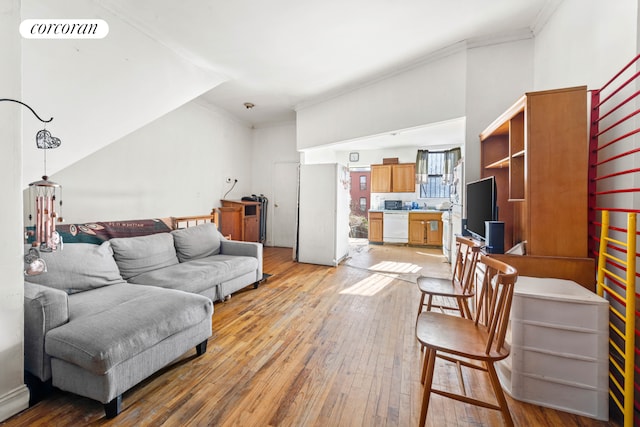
<point x="104" y="317"/>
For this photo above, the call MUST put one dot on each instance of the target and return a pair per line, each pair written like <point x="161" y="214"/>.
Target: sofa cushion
<point x="196" y="242"/>
<point x="137" y="255"/>
<point x="79" y="267"/>
<point x="235" y="265"/>
<point x="139" y="318"/>
<point x="186" y="277"/>
<point x="198" y="275"/>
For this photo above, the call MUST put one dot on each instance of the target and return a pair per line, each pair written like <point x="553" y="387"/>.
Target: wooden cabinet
<point x="375" y="227"/>
<point x="393" y="178"/>
<point x="403" y="178"/>
<point x="425" y="228"/>
<point x="537" y="150"/>
<point x="240" y="220"/>
<point x="380" y="178"/>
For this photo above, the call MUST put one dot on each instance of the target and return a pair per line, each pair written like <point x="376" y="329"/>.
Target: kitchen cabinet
<point x="393" y="178"/>
<point x="403" y="178"/>
<point x="375" y="227"/>
<point x="425" y="228"/>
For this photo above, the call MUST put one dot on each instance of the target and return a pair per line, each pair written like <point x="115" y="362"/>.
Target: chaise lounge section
<point x="105" y="317"/>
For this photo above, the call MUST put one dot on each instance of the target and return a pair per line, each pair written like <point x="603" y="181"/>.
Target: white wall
<point x="14" y="395"/>
<point x="98" y="90"/>
<point x="497" y="75"/>
<point x="174" y="166"/>
<point x="585" y="42"/>
<point x="273" y="145"/>
<point x="428" y="93"/>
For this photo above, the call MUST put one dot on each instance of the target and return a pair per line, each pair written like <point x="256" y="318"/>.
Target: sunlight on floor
<point x="396" y="267"/>
<point x="436" y="255"/>
<point x="369" y="286"/>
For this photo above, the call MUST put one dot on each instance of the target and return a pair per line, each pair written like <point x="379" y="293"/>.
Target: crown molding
<point x="544" y="15"/>
<point x="389" y="73"/>
<point x="462" y="46"/>
<point x="498" y="38"/>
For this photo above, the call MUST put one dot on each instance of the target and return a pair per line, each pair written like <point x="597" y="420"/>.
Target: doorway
<point x="285" y="202"/>
<point x="360" y="202"/>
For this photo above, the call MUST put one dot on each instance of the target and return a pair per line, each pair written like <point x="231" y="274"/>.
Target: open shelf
<point x="502" y="163"/>
<point x="536" y="150"/>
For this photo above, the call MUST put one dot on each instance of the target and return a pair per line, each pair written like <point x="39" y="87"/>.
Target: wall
<point x="497" y="75"/>
<point x="430" y="92"/>
<point x="274" y="146"/>
<point x="175" y="166"/>
<point x="100" y="90"/>
<point x="587" y="43"/>
<point x="14" y="396"/>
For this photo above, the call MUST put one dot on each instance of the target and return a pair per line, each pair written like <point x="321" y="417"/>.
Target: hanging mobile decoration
<point x="43" y="194"/>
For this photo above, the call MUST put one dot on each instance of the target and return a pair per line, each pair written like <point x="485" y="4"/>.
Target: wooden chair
<point x="453" y="293"/>
<point x="471" y="343"/>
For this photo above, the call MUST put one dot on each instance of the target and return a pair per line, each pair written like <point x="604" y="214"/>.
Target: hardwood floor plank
<point x="312" y="346"/>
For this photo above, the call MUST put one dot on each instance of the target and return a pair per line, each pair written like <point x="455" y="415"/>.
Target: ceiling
<point x="280" y="54"/>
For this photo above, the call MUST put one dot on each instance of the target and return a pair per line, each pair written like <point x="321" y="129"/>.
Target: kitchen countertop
<point x="410" y="210"/>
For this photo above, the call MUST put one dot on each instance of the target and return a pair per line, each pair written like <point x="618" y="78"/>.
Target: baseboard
<point x="13" y="402"/>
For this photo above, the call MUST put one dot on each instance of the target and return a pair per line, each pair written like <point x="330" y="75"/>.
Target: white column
<point x="14" y="395"/>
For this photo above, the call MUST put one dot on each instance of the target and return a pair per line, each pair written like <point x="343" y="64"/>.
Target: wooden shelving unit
<point x="538" y="152"/>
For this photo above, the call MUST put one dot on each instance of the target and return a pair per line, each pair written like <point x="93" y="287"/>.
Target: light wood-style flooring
<point x="313" y="346"/>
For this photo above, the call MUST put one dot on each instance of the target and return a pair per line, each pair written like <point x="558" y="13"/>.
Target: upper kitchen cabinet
<point x="393" y="178"/>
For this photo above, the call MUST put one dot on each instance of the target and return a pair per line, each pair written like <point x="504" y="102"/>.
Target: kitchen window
<point x="435" y="187"/>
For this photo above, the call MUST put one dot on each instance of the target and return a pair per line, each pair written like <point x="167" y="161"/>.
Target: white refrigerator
<point x="323" y="214"/>
<point x="457" y="208"/>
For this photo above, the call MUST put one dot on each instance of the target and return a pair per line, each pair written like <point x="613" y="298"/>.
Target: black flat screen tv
<point x="481" y="205"/>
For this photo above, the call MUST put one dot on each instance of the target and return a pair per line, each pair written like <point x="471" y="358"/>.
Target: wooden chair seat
<point x="441" y="287"/>
<point x="457" y="336"/>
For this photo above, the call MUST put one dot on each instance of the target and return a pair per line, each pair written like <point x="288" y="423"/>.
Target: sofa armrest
<point x="44" y="309"/>
<point x="235" y="247"/>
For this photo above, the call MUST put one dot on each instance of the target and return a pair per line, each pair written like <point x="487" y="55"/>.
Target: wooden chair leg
<point x="430" y="362"/>
<point x="497" y="388"/>
<point x="420" y="305"/>
<point x="425" y="362"/>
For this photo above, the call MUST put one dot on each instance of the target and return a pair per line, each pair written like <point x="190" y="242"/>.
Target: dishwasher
<point x="395" y="226"/>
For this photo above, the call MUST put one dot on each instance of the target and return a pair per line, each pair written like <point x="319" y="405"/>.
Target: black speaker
<point x="494" y="236"/>
<point x="464" y="230"/>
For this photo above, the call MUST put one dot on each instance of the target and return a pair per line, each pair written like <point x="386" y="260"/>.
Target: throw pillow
<point x="196" y="242"/>
<point x="137" y="255"/>
<point x="79" y="267"/>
